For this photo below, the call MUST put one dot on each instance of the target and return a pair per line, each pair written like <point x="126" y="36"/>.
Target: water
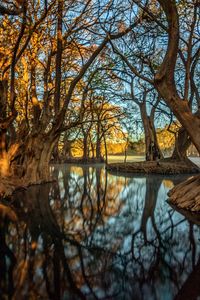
<point x="99" y="236"/>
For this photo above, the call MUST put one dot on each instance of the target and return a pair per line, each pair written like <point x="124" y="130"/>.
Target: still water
<point x="93" y="235"/>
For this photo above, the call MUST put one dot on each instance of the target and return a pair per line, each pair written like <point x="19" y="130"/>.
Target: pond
<point x="94" y="235"/>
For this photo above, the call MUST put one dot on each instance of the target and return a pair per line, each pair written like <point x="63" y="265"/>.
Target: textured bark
<point x="152" y="148"/>
<point x="33" y="158"/>
<point x="182" y="144"/>
<point x="186" y="195"/>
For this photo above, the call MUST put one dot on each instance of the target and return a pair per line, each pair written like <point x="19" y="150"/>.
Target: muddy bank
<point x="165" y="167"/>
<point x="12" y="184"/>
<point x="185" y="195"/>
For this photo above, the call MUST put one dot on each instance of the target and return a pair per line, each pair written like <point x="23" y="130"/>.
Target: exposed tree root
<point x="186" y="195"/>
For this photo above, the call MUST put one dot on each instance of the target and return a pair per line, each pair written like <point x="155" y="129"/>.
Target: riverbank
<point x="12" y="184"/>
<point x="164" y="167"/>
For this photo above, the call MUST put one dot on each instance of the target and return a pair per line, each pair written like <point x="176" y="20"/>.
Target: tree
<point x="165" y="77"/>
<point x="144" y="97"/>
<point x="55" y="71"/>
<point x="144" y="56"/>
<point x="165" y="83"/>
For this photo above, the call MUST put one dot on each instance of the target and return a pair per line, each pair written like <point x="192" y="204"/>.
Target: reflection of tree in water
<point x="98" y="236"/>
<point x="7" y="257"/>
<point x="88" y="201"/>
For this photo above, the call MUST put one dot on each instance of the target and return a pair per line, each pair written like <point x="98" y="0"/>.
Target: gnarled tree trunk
<point x="165" y="81"/>
<point x="187" y="194"/>
<point x="152" y="149"/>
<point x="182" y="144"/>
<point x="34" y="157"/>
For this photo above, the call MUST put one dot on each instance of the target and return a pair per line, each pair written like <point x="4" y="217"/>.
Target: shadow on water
<point x="94" y="235"/>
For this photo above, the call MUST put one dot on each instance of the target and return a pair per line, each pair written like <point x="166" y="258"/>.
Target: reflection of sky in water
<point x="159" y="237"/>
<point x="132" y="242"/>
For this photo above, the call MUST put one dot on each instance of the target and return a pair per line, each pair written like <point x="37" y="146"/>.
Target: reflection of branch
<point x="44" y="269"/>
<point x="6" y="270"/>
<point x="67" y="270"/>
<point x="84" y="275"/>
<point x="191" y="288"/>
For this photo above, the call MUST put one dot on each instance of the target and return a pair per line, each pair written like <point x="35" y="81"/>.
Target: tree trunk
<point x="4" y="159"/>
<point x="4" y="162"/>
<point x="182" y="144"/>
<point x="3" y="98"/>
<point x="187" y="194"/>
<point x="85" y="148"/>
<point x="56" y="154"/>
<point x="165" y="81"/>
<point x="98" y="143"/>
<point x="34" y="158"/>
<point x="92" y="146"/>
<point x="98" y="149"/>
<point x="106" y="149"/>
<point x="152" y="149"/>
<point x="67" y="150"/>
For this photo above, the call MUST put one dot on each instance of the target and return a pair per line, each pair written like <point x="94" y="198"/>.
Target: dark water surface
<point x="95" y="235"/>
